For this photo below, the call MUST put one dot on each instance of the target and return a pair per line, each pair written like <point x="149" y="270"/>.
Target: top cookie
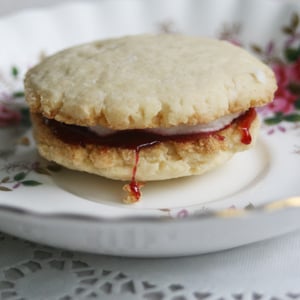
<point x="148" y="81"/>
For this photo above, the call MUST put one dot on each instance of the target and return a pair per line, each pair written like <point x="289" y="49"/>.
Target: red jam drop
<point x="135" y="190"/>
<point x="134" y="185"/>
<point x="244" y="123"/>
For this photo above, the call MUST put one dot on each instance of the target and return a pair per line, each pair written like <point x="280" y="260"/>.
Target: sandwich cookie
<point x="147" y="107"/>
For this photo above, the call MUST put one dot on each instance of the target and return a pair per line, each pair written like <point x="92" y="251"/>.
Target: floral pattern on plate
<point x="284" y="59"/>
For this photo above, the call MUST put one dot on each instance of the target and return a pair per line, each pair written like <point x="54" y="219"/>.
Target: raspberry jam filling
<point x="137" y="139"/>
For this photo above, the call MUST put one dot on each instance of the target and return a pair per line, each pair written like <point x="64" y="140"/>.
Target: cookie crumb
<point x="133" y="190"/>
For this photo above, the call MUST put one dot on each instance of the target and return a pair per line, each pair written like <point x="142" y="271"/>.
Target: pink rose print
<point x="286" y="66"/>
<point x="284" y="98"/>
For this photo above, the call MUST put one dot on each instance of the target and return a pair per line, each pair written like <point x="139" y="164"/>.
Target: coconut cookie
<point x="147" y="107"/>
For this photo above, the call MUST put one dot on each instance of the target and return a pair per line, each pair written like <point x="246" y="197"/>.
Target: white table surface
<point x="265" y="270"/>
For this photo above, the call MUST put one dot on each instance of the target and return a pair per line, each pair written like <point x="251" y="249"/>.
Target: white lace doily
<point x="265" y="270"/>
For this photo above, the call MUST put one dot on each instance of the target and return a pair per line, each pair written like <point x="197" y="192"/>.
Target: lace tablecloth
<point x="265" y="270"/>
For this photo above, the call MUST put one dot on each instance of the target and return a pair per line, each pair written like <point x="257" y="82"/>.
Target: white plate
<point x="231" y="206"/>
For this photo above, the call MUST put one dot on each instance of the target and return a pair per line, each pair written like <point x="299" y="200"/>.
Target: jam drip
<point x="137" y="139"/>
<point x="244" y="123"/>
<point x="133" y="188"/>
